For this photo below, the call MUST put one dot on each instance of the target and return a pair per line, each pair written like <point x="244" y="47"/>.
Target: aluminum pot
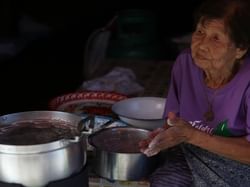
<point x="117" y="155"/>
<point x="37" y="165"/>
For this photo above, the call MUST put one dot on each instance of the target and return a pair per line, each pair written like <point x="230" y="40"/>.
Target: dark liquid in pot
<point x="35" y="132"/>
<point x="123" y="140"/>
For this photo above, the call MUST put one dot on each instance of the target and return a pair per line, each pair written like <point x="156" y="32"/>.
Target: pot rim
<point x="56" y="115"/>
<point x="38" y="148"/>
<point x="73" y="119"/>
<point x="91" y="136"/>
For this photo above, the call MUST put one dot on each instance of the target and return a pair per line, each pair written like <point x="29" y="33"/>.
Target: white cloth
<point x="119" y="79"/>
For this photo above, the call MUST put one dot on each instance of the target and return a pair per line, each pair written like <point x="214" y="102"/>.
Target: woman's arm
<point x="235" y="148"/>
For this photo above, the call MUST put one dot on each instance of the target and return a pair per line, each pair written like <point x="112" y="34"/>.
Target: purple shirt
<point x="188" y="96"/>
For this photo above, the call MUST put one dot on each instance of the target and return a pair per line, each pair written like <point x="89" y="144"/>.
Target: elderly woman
<point x="207" y="139"/>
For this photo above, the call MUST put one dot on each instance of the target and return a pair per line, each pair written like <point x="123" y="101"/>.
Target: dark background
<point x="44" y="58"/>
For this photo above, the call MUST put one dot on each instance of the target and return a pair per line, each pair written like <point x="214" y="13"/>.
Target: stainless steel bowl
<point x="117" y="155"/>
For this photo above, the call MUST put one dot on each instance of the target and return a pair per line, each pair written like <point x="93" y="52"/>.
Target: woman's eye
<point x="199" y="32"/>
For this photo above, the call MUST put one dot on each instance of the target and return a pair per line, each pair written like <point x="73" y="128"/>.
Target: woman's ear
<point x="240" y="52"/>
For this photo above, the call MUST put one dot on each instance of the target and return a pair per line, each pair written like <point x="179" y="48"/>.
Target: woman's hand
<point x="177" y="132"/>
<point x="144" y="144"/>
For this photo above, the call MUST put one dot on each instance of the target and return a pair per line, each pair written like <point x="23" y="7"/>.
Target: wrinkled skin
<point x="166" y="137"/>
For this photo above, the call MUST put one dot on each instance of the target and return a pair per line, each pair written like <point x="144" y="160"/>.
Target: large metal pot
<point x="37" y="165"/>
<point x="117" y="155"/>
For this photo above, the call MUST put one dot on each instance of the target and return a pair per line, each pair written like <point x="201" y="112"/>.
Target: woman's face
<point x="212" y="48"/>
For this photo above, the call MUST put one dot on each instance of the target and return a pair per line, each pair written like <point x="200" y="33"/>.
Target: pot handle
<point x="86" y="125"/>
<point x="107" y="124"/>
<point x="74" y="139"/>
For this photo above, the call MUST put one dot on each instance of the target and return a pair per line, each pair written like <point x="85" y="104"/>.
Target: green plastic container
<point x="136" y="35"/>
<point x="136" y="27"/>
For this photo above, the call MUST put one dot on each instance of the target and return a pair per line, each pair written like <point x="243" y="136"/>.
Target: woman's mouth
<point x="201" y="57"/>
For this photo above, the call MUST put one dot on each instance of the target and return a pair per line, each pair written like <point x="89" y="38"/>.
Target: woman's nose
<point x="204" y="43"/>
